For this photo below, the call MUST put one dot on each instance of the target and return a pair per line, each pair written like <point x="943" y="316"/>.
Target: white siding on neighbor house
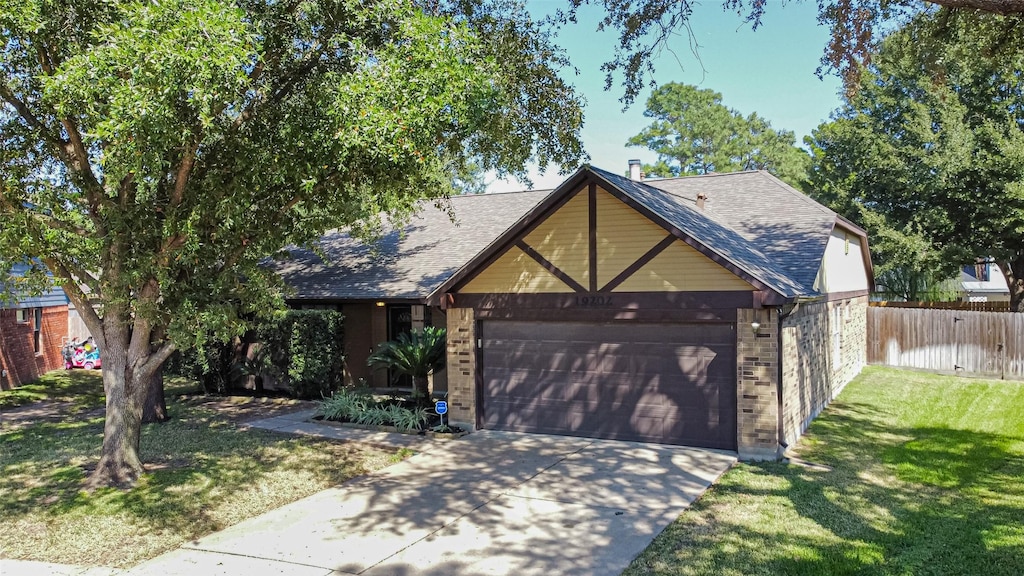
<point x="842" y="268"/>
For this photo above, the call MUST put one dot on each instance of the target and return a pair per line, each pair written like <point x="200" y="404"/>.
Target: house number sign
<point x="594" y="301"/>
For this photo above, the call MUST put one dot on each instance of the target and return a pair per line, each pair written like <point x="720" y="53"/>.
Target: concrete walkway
<point x="489" y="503"/>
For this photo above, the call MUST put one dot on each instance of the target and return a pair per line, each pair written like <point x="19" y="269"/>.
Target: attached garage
<point x="720" y="311"/>
<point x="666" y="383"/>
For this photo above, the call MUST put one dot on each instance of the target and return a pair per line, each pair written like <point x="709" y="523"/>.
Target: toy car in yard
<point x="81" y="355"/>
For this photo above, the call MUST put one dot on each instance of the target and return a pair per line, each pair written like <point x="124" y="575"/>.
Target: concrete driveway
<point x="489" y="503"/>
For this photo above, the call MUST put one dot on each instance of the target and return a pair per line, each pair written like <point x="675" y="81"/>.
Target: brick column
<point x="462" y="367"/>
<point x="756" y="385"/>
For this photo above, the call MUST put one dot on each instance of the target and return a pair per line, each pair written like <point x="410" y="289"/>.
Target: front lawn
<point x="204" y="474"/>
<point x="79" y="388"/>
<point x="906" y="473"/>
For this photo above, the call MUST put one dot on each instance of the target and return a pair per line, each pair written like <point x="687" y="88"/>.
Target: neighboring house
<point x="721" y="311"/>
<point x="983" y="282"/>
<point x="32" y="329"/>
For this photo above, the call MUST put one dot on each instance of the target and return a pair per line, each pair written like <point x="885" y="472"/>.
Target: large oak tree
<point x="152" y="153"/>
<point x="929" y="152"/>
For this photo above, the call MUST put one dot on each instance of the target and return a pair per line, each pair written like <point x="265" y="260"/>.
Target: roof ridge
<point x="505" y="193"/>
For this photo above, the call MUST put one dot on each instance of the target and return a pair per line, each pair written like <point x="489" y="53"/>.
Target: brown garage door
<point x="666" y="383"/>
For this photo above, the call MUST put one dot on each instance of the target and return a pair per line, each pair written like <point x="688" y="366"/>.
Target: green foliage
<point x="905" y="473"/>
<point x="406" y="419"/>
<point x="694" y="133"/>
<point x="353" y="405"/>
<point x="211" y="365"/>
<point x="929" y="154"/>
<point x="304" y="348"/>
<point x="307" y="346"/>
<point x="417" y="353"/>
<point x="345" y="405"/>
<point x="153" y="154"/>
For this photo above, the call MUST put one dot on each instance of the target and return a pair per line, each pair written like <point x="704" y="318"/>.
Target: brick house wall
<point x="824" y="346"/>
<point x="19" y="361"/>
<point x="757" y="367"/>
<point x="461" y="367"/>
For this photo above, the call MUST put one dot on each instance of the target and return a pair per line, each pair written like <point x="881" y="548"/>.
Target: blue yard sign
<point x="441" y="407"/>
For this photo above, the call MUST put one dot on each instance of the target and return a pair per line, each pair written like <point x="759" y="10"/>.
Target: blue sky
<point x="770" y="71"/>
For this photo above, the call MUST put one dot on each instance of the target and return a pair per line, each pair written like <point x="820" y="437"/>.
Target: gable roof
<point x="408" y="263"/>
<point x="753" y="224"/>
<point x="13" y="297"/>
<point x="717" y="236"/>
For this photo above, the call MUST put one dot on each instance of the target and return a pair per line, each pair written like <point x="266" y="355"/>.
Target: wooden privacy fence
<point x="956" y="341"/>
<point x="956" y="305"/>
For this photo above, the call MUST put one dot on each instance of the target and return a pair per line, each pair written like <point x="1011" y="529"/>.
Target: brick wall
<point x="756" y="384"/>
<point x="461" y="369"/>
<point x="824" y="347"/>
<point x="19" y="362"/>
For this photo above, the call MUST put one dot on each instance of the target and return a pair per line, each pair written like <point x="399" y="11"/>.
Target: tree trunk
<point x="120" y="464"/>
<point x="421" y="386"/>
<point x="1013" y="270"/>
<point x="154" y="408"/>
<point x="132" y="378"/>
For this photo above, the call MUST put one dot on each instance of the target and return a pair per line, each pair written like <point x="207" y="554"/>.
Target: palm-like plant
<point x="418" y="354"/>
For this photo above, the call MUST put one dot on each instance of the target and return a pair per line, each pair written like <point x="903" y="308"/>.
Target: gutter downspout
<point x="782" y="316"/>
<point x="781" y="428"/>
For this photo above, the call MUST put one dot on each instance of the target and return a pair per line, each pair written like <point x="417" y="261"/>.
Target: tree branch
<point x="155" y="359"/>
<point x="78" y="297"/>
<point x="60" y="145"/>
<point x="51" y="222"/>
<point x="181" y="176"/>
<point x="1001" y="7"/>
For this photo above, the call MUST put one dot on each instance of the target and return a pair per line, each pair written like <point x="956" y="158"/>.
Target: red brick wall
<point x="19" y="363"/>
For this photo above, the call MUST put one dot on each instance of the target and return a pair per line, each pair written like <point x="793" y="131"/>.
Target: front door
<point x="399" y="322"/>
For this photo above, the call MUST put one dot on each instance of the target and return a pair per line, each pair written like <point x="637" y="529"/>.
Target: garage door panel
<point x="662" y="383"/>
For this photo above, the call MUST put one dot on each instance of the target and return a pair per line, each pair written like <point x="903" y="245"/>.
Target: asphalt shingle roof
<point x="409" y="265"/>
<point x="787" y="226"/>
<point x="750" y="219"/>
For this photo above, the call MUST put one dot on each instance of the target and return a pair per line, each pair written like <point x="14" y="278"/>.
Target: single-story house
<point x="983" y="281"/>
<point x="32" y="330"/>
<point x="721" y="311"/>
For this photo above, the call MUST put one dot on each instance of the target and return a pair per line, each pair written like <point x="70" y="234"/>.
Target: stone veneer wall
<point x="461" y="367"/>
<point x="757" y="357"/>
<point x="824" y="346"/>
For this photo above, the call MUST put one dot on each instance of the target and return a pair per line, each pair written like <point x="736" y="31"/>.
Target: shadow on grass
<point x="898" y="500"/>
<point x="202" y="473"/>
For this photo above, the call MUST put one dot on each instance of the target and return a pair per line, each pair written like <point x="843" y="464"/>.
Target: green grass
<point x="204" y="474"/>
<point x="927" y="478"/>
<point x="83" y="388"/>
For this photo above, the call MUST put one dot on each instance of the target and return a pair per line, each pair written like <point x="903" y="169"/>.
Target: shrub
<point x="345" y="405"/>
<point x="307" y="347"/>
<point x="417" y="354"/>
<point x="211" y="366"/>
<point x="405" y="419"/>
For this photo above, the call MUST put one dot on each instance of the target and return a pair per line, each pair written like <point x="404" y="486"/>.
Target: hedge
<point x="305" y="349"/>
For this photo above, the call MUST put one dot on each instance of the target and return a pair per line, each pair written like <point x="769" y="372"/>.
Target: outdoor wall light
<point x="380" y="304"/>
<point x="756" y="327"/>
